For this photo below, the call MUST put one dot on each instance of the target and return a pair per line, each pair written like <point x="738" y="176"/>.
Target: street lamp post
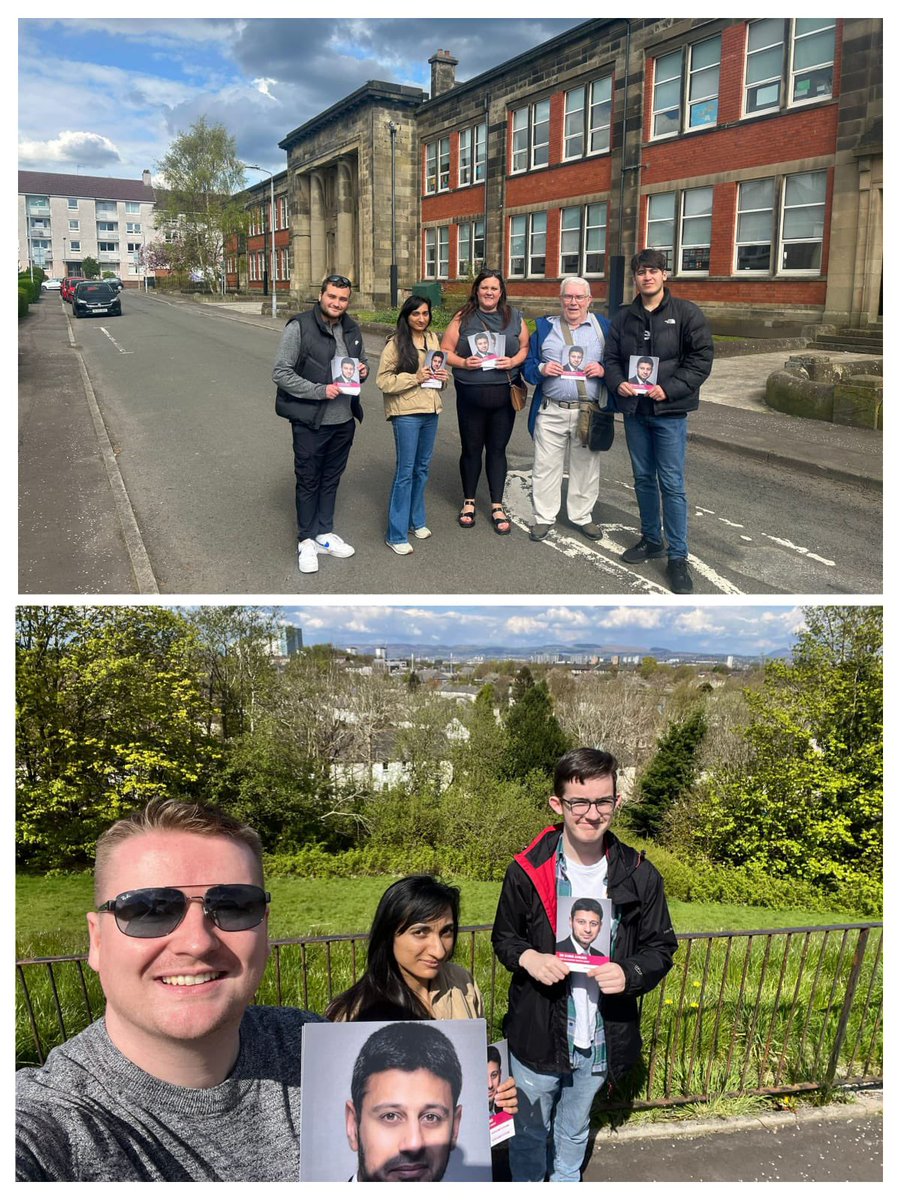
<point x="254" y="167"/>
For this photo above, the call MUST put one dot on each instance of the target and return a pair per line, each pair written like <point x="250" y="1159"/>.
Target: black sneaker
<point x="678" y="576"/>
<point x="643" y="550"/>
<point x="591" y="531"/>
<point x="539" y="531"/>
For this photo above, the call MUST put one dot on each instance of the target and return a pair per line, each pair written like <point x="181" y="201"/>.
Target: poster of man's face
<point x="643" y="370"/>
<point x="583" y="930"/>
<point x="399" y="1102"/>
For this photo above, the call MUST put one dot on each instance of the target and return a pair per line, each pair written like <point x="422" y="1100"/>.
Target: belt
<point x="565" y="403"/>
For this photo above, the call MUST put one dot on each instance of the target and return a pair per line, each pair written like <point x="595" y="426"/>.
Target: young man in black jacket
<point x="657" y="323"/>
<point x="569" y="1031"/>
<point x="322" y="417"/>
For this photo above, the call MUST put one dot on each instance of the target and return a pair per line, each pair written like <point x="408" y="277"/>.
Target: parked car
<point x="96" y="298"/>
<point x="51" y="285"/>
<point x="114" y="281"/>
<point x="67" y="286"/>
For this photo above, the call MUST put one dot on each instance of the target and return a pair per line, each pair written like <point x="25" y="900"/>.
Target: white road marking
<point x="733" y="524"/>
<point x="518" y="501"/>
<point x="827" y="562"/>
<point x="115" y="343"/>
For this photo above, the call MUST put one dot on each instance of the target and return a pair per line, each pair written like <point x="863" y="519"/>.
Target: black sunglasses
<point x="155" y="911"/>
<point x="340" y="281"/>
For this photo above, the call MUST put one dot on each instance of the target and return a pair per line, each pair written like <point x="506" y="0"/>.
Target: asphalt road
<point x="185" y="391"/>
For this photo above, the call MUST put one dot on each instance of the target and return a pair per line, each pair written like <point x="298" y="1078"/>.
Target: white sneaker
<point x="307" y="556"/>
<point x="400" y="547"/>
<point x="422" y="532"/>
<point x="330" y="543"/>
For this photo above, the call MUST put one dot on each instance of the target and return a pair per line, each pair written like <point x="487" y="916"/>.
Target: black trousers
<point x="485" y="417"/>
<point x="320" y="456"/>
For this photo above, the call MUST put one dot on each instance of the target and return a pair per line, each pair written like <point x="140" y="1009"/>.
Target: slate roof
<point x="90" y="187"/>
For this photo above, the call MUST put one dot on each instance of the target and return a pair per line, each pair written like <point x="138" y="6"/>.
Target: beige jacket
<point x="402" y="394"/>
<point x="455" y="994"/>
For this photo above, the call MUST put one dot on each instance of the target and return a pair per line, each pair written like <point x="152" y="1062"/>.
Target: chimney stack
<point x="444" y="69"/>
<point x="145" y="178"/>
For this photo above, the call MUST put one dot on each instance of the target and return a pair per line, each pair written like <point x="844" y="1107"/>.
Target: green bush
<point x="24" y="299"/>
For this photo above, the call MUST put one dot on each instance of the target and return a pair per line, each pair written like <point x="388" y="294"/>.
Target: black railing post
<point x="850" y="989"/>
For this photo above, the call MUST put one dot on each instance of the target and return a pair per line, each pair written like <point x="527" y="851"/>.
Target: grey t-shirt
<point x="90" y="1114"/>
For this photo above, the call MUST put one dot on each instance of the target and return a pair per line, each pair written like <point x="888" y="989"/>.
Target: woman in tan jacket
<point x="408" y="973"/>
<point x="411" y="386"/>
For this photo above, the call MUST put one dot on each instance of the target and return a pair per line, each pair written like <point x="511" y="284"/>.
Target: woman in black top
<point x="484" y="412"/>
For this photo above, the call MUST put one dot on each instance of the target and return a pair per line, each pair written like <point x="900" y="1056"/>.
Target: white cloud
<point x="574" y="617"/>
<point x="88" y="149"/>
<point x="699" y="620"/>
<point x="262" y="86"/>
<point x="636" y="618"/>
<point x="527" y="625"/>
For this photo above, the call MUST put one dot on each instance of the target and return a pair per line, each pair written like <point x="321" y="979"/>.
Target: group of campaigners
<point x="184" y="1078"/>
<point x="577" y="362"/>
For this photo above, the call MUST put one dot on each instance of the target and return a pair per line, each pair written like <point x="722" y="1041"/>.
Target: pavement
<point x="76" y="523"/>
<point x="838" y="1143"/>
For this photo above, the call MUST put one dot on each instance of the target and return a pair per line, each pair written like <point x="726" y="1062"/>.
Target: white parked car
<point x="51" y="285"/>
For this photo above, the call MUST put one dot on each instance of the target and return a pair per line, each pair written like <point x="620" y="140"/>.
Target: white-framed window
<point x="528" y="245"/>
<point x="531" y="137"/>
<point x="686" y="88"/>
<point x="108" y="247"/>
<point x="72" y="203"/>
<point x="134" y="247"/>
<point x="132" y="226"/>
<point x="75" y="247"/>
<point x="583" y="239"/>
<point x="754" y="227"/>
<point x="74" y="226"/>
<point x="470" y="246"/>
<point x="132" y="206"/>
<point x="586" y="119"/>
<point x="437" y="241"/>
<point x="662" y="225"/>
<point x="283" y="263"/>
<point x="437" y="166"/>
<point x="695" y="231"/>
<point x="106" y="208"/>
<point x="680" y="225"/>
<point x="282" y="212"/>
<point x="771" y="82"/>
<point x="473" y="154"/>
<point x="107" y="226"/>
<point x="803" y="222"/>
<point x="37" y="203"/>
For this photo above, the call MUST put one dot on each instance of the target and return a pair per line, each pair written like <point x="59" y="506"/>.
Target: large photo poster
<point x="397" y="1101"/>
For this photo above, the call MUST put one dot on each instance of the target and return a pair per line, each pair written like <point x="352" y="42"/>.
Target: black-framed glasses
<point x="580" y="807"/>
<point x="340" y="281"/>
<point x="156" y="911"/>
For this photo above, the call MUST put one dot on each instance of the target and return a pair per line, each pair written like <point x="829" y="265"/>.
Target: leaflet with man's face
<point x="500" y="1123"/>
<point x="583" y="931"/>
<point x="643" y="372"/>
<point x="346" y="373"/>
<point x="484" y="345"/>
<point x="394" y="1102"/>
<point x="435" y="361"/>
<point x="573" y="361"/>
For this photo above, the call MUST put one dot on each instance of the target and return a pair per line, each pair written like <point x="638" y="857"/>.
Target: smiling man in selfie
<point x="569" y="1031"/>
<point x="181" y="1079"/>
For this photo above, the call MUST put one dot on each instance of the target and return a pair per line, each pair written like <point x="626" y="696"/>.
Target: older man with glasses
<point x="558" y="416"/>
<point x="181" y="1079"/>
<point x="322" y="416"/>
<point x="568" y="1031"/>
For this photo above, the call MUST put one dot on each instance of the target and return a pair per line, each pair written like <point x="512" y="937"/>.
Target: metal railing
<point x="755" y="1012"/>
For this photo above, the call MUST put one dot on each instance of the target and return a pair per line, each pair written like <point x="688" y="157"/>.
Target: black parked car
<point x="93" y="298"/>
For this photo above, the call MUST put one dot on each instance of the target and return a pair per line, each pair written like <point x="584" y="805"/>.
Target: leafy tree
<point x="202" y="173"/>
<point x="90" y="267"/>
<point x="235" y="642"/>
<point x="669" y="774"/>
<point x="647" y="666"/>
<point x="522" y="681"/>
<point x="109" y="712"/>
<point x="807" y="804"/>
<point x="535" y="739"/>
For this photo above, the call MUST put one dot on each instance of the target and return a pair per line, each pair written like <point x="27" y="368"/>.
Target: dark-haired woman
<point x="484" y="412"/>
<point x="409" y="975"/>
<point x="412" y="409"/>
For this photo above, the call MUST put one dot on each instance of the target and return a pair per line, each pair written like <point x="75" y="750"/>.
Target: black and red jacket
<point x="526" y="919"/>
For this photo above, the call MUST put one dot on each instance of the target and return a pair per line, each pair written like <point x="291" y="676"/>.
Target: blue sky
<point x="105" y="96"/>
<point x="732" y="629"/>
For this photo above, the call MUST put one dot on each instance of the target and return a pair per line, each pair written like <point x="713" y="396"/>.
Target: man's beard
<point x="421" y="1158"/>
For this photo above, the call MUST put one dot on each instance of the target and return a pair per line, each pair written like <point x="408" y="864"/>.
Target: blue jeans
<point x="414" y="441"/>
<point x="657" y="449"/>
<point x="530" y="1157"/>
